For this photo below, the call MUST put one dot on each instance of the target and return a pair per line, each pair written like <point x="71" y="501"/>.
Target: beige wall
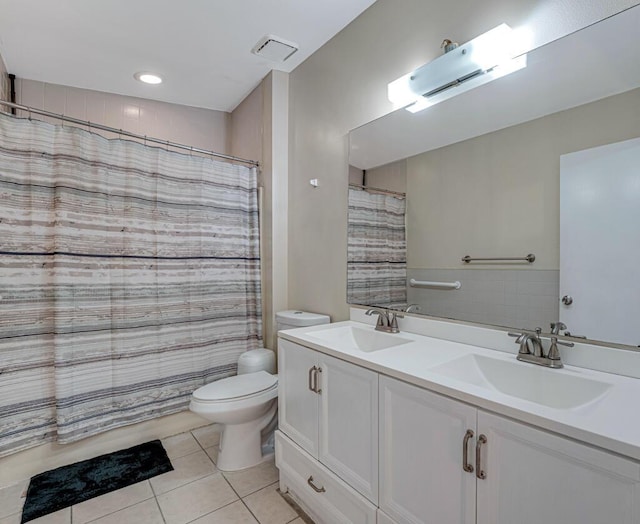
<point x="259" y="131"/>
<point x="279" y="195"/>
<point x="499" y="194"/>
<point x="249" y="130"/>
<point x="246" y="125"/>
<point x="355" y="175"/>
<point x="344" y="84"/>
<point x="4" y="85"/>
<point x="202" y="128"/>
<point x="391" y="176"/>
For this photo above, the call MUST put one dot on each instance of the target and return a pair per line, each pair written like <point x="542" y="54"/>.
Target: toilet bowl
<point x="245" y="406"/>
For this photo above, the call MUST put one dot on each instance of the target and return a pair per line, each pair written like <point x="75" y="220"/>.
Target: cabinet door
<point x="533" y="476"/>
<point x="297" y="403"/>
<point x="349" y="424"/>
<point x="421" y="471"/>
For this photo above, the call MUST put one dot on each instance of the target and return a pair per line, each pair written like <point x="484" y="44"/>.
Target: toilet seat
<point x="238" y="387"/>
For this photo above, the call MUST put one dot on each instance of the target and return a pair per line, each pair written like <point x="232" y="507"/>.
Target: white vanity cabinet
<point x="298" y="405"/>
<point x="530" y="476"/>
<point x="355" y="446"/>
<point x="533" y="476"/>
<point x="329" y="408"/>
<point x="421" y="475"/>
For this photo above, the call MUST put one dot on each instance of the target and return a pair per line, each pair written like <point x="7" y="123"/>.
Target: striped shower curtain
<point x="376" y="250"/>
<point x="129" y="276"/>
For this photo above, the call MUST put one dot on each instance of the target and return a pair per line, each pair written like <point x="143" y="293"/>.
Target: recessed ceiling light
<point x="148" y="78"/>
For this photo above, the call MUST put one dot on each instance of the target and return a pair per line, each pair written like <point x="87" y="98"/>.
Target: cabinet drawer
<point x="336" y="503"/>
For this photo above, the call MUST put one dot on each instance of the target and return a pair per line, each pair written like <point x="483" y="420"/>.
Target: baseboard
<point x="24" y="464"/>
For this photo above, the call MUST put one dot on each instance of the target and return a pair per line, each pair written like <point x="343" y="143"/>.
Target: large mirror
<point x="515" y="204"/>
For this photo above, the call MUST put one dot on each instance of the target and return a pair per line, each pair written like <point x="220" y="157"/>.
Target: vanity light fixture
<point x="485" y="58"/>
<point x="148" y="78"/>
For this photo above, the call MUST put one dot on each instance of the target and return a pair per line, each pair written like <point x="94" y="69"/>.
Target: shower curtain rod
<point x="378" y="190"/>
<point x="121" y="132"/>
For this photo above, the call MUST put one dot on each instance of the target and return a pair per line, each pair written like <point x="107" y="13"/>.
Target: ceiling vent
<point x="274" y="48"/>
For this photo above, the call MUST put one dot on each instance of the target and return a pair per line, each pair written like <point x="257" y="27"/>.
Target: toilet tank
<point x="294" y="319"/>
<point x="257" y="360"/>
<point x="265" y="359"/>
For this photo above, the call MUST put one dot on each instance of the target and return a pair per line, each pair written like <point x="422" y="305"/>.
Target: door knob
<point x="567" y="300"/>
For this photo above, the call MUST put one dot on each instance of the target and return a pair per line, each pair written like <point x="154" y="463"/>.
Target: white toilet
<point x="246" y="405"/>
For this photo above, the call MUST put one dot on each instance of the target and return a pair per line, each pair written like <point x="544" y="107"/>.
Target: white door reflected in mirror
<point x="600" y="241"/>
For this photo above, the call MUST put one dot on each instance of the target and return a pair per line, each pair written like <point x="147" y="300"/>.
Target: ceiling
<point x="202" y="48"/>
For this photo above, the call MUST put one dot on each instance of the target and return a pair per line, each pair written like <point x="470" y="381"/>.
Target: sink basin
<point x="526" y="381"/>
<point x="354" y="338"/>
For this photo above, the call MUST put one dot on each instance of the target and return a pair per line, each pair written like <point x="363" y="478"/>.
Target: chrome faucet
<point x="386" y="323"/>
<point x="530" y="343"/>
<point x="411" y="308"/>
<point x="532" y="351"/>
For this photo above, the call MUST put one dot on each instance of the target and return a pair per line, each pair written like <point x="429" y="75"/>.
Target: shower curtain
<point x="376" y="250"/>
<point x="129" y="276"/>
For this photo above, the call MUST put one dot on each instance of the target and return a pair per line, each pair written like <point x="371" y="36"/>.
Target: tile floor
<point x="195" y="492"/>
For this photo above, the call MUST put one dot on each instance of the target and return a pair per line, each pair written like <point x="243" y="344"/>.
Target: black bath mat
<point x="69" y="485"/>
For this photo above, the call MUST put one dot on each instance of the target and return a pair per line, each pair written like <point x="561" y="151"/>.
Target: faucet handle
<point x="519" y="337"/>
<point x="556" y="327"/>
<point x="393" y="321"/>
<point x="566" y="344"/>
<point x="553" y="353"/>
<point x="522" y="339"/>
<point x="383" y="316"/>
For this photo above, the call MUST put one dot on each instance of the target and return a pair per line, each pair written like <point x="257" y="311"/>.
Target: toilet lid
<point x="236" y="387"/>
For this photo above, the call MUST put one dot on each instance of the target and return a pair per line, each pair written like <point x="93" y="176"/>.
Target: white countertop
<point x="611" y="422"/>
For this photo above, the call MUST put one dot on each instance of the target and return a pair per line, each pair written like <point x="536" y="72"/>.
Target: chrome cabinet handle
<point x="480" y="473"/>
<point x="313" y="379"/>
<point x="312" y="372"/>
<point x="317" y="388"/>
<point x="465" y="452"/>
<point x="315" y="488"/>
